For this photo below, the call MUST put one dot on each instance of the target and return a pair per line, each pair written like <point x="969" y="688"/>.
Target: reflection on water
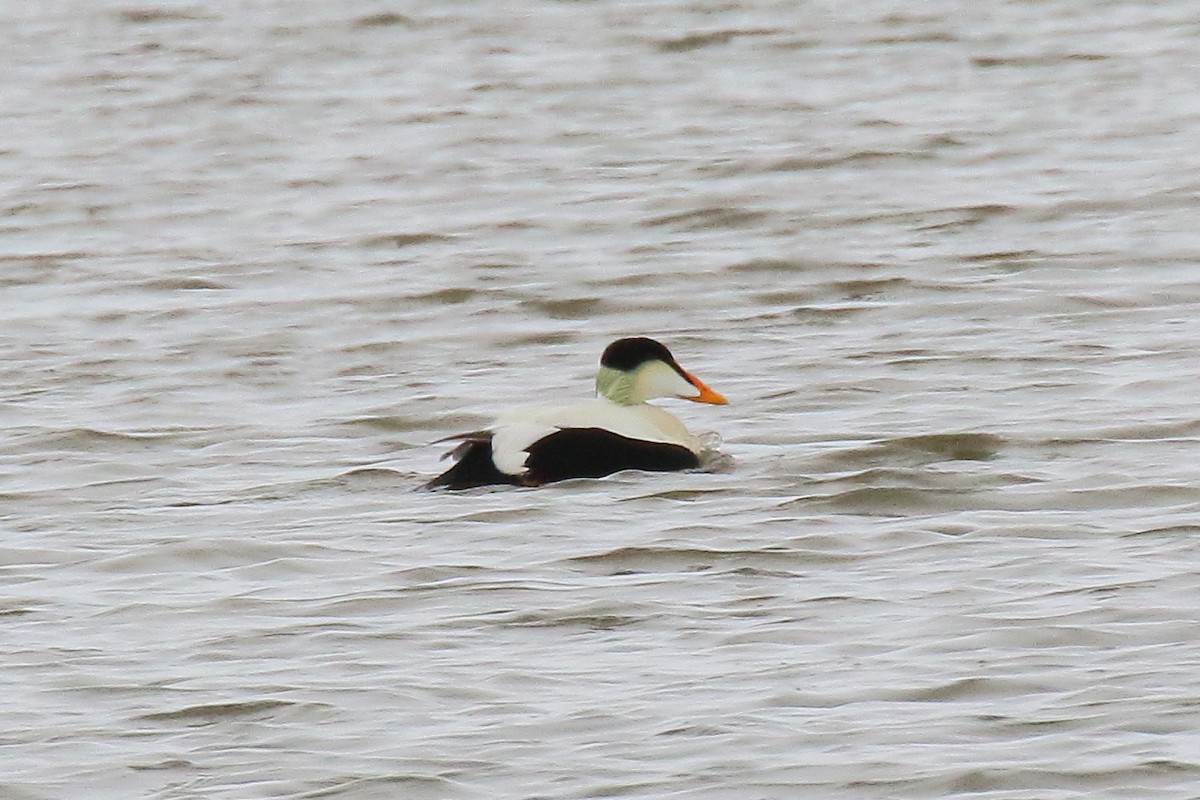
<point x="256" y="259"/>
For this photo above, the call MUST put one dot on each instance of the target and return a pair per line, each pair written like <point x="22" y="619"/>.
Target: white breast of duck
<point x="515" y="433"/>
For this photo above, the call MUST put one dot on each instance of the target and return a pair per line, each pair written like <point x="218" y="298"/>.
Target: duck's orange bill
<point x="706" y="395"/>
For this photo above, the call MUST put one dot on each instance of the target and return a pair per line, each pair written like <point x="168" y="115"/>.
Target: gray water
<point x="256" y="257"/>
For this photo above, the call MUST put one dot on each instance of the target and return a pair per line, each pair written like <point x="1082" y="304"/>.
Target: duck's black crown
<point x="629" y="354"/>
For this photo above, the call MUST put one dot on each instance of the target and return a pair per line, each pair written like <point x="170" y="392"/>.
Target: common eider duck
<point x="618" y="430"/>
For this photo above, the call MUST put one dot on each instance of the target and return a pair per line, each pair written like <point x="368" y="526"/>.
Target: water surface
<point x="255" y="258"/>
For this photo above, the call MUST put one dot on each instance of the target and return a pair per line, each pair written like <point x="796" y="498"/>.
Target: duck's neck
<point x="616" y="386"/>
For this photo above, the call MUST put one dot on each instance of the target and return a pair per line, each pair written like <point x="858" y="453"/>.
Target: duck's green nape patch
<point x="615" y="385"/>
